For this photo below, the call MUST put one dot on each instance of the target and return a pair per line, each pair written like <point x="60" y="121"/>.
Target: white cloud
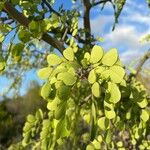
<point x="134" y="23"/>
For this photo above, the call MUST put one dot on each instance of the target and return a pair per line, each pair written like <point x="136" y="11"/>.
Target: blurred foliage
<point x="13" y="113"/>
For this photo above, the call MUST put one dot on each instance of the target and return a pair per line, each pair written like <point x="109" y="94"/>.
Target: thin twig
<point x="50" y="7"/>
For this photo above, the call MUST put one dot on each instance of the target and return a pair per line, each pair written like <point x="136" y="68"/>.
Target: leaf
<point x="17" y="51"/>
<point x="144" y="115"/>
<point x="110" y="114"/>
<point x="143" y="103"/>
<point x="44" y="73"/>
<point x="2" y="63"/>
<point x="61" y="129"/>
<point x="93" y="123"/>
<point x="67" y="78"/>
<point x="31" y="118"/>
<point x="96" y="90"/>
<point x="96" y="144"/>
<point x="69" y="54"/>
<point x="46" y="90"/>
<point x="87" y="56"/>
<point x="103" y="123"/>
<point x="53" y="105"/>
<point x="108" y="136"/>
<point x="110" y="58"/>
<point x="61" y="110"/>
<point x="117" y="74"/>
<point x="34" y="26"/>
<point x="90" y="147"/>
<point x="96" y="54"/>
<point x="24" y="35"/>
<point x="53" y="59"/>
<point x="63" y="92"/>
<point x="114" y="91"/>
<point x="92" y="77"/>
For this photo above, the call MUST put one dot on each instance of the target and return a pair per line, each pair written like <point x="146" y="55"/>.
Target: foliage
<point x="95" y="93"/>
<point x="13" y="113"/>
<point x="91" y="102"/>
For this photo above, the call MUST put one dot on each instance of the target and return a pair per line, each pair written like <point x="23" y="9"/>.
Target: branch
<point x="86" y="17"/>
<point x="50" y="7"/>
<point x="101" y="2"/>
<point x="19" y="17"/>
<point x="142" y="62"/>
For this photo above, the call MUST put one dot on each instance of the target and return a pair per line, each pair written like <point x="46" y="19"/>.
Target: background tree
<point x="85" y="87"/>
<point x="13" y="114"/>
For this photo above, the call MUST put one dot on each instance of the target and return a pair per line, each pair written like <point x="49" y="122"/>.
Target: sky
<point x="134" y="23"/>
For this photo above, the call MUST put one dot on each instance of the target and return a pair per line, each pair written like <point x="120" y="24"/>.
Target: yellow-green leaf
<point x="103" y="123"/>
<point x="110" y="114"/>
<point x="44" y="73"/>
<point x="143" y="103"/>
<point x="69" y="54"/>
<point x="53" y="59"/>
<point x="114" y="91"/>
<point x="96" y="54"/>
<point x="96" y="90"/>
<point x="67" y="78"/>
<point x="61" y="110"/>
<point x="110" y="58"/>
<point x="144" y="115"/>
<point x="116" y="73"/>
<point x="92" y="77"/>
<point x="46" y="90"/>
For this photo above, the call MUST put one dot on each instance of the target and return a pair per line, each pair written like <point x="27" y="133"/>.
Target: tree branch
<point x="50" y="7"/>
<point x="142" y="62"/>
<point x="101" y="2"/>
<point x="19" y="17"/>
<point x="86" y="17"/>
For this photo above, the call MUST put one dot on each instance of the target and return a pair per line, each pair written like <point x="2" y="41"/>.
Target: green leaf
<point x="63" y="92"/>
<point x="110" y="58"/>
<point x="117" y="74"/>
<point x="96" y="90"/>
<point x="31" y="118"/>
<point x="69" y="54"/>
<point x="114" y="91"/>
<point x="34" y="26"/>
<point x="61" y="110"/>
<point x="119" y="144"/>
<point x="108" y="136"/>
<point x="15" y="2"/>
<point x="27" y="126"/>
<point x="2" y="63"/>
<point x="96" y="144"/>
<point x="96" y="54"/>
<point x="61" y="129"/>
<point x="24" y="36"/>
<point x="67" y="78"/>
<point x="110" y="114"/>
<point x="92" y="77"/>
<point x="143" y="103"/>
<point x="144" y="115"/>
<point x="17" y="51"/>
<point x="53" y="59"/>
<point x="53" y="105"/>
<point x="93" y="123"/>
<point x="103" y="123"/>
<point x="90" y="147"/>
<point x="46" y="90"/>
<point x="44" y="73"/>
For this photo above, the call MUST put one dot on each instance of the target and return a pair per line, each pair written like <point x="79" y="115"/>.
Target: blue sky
<point x="134" y="23"/>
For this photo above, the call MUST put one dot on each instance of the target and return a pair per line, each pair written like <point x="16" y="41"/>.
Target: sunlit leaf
<point x="96" y="54"/>
<point x="110" y="58"/>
